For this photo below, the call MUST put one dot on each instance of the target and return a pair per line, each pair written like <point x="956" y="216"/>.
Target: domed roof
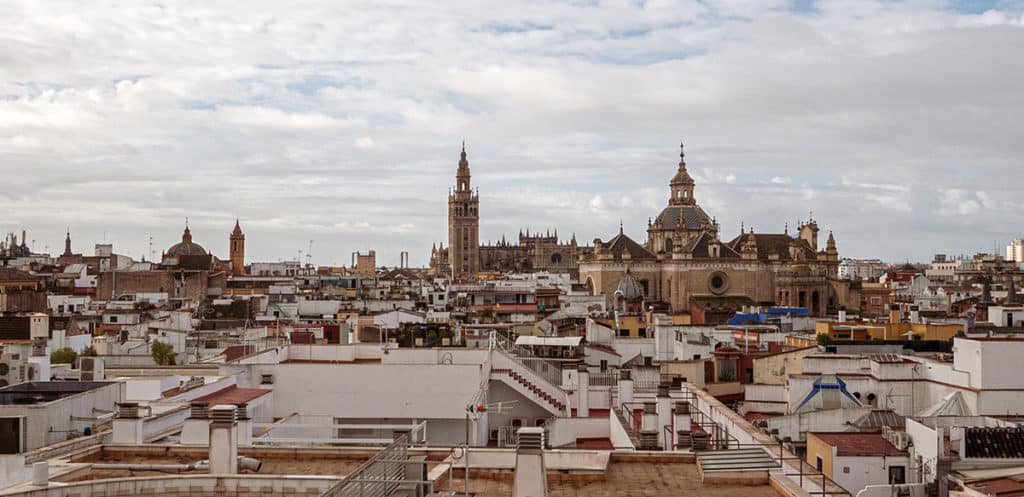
<point x="629" y="288"/>
<point x="186" y="247"/>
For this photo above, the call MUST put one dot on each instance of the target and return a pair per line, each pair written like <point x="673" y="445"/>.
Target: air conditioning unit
<point x="10" y="371"/>
<point x="267" y="379"/>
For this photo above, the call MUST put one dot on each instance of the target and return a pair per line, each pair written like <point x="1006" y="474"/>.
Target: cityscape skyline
<point x="206" y="231"/>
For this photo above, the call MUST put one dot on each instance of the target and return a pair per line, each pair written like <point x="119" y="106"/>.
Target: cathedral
<point x="465" y="258"/>
<point x="686" y="266"/>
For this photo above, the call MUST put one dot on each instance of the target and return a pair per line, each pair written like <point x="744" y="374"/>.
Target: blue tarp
<point x="762" y="318"/>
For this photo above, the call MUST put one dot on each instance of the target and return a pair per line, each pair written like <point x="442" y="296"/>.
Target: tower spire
<point x="67" y="242"/>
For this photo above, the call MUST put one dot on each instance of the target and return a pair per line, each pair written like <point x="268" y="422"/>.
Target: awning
<point x="549" y="341"/>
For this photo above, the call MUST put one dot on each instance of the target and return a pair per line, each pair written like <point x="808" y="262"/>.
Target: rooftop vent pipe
<point x="531" y="477"/>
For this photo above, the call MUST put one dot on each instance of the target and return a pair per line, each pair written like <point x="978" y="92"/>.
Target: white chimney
<point x="649" y="427"/>
<point x="683" y="420"/>
<point x="531" y="479"/>
<point x="41" y="474"/>
<point x="583" y="392"/>
<point x="244" y="424"/>
<point x="127" y="426"/>
<point x="625" y="388"/>
<point x="842" y="314"/>
<point x="223" y="440"/>
<point x="664" y="407"/>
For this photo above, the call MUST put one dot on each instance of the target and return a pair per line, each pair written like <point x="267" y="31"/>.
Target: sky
<point x="337" y="125"/>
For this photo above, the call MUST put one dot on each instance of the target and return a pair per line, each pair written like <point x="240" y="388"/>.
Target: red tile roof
<point x="1000" y="487"/>
<point x="860" y="444"/>
<point x="231" y="395"/>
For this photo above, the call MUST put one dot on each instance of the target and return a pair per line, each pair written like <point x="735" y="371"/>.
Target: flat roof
<point x="625" y="479"/>
<point x="42" y="392"/>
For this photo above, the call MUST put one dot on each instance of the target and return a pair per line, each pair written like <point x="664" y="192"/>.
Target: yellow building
<point x="853" y="331"/>
<point x="639" y="326"/>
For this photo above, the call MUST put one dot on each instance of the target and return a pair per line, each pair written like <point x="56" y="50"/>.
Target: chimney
<point x="664" y="407"/>
<point x="894" y="313"/>
<point x="649" y="427"/>
<point x="223" y="440"/>
<point x="583" y="392"/>
<point x="41" y="474"/>
<point x="683" y="423"/>
<point x="244" y="424"/>
<point x="842" y="314"/>
<point x="127" y="426"/>
<point x="531" y="479"/>
<point x="625" y="388"/>
<point x="196" y="430"/>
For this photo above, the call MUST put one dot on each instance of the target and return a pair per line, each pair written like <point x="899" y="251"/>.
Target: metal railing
<point x="545" y="369"/>
<point x="720" y="438"/>
<point x="604" y="379"/>
<point x="379" y="476"/>
<point x="507" y="436"/>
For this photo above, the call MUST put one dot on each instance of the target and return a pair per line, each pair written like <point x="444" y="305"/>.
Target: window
<point x="897" y="475"/>
<point x="818" y="463"/>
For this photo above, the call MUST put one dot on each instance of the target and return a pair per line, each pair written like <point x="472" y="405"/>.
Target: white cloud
<point x="341" y="122"/>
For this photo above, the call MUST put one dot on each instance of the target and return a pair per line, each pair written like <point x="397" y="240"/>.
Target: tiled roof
<point x="699" y="248"/>
<point x="878" y="419"/>
<point x="231" y="395"/>
<point x="994" y="443"/>
<point x="860" y="444"/>
<point x="692" y="215"/>
<point x="622" y="243"/>
<point x="773" y="244"/>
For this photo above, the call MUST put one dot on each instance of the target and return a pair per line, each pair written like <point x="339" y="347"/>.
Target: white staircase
<point x="506" y="368"/>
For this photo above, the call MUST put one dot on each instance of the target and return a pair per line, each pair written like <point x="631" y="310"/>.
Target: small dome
<point x="629" y="288"/>
<point x="186" y="247"/>
<point x="179" y="249"/>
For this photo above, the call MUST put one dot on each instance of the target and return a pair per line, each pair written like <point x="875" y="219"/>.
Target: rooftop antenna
<point x="309" y="253"/>
<point x="151" y="255"/>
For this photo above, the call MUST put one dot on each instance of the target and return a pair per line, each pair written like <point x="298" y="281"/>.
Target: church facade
<point x="465" y="257"/>
<point x="685" y="265"/>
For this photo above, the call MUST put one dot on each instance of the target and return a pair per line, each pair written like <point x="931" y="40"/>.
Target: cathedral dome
<point x="186" y="246"/>
<point x="629" y="288"/>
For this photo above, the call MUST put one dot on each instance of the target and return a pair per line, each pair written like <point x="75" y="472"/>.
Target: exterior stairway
<point x="629" y="429"/>
<point x="513" y="371"/>
<point x="749" y="459"/>
<point x="520" y="383"/>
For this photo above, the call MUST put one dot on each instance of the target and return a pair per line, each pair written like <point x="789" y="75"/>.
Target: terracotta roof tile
<point x="860" y="444"/>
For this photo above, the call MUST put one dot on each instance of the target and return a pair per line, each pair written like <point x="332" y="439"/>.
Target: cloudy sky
<point x="899" y="124"/>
